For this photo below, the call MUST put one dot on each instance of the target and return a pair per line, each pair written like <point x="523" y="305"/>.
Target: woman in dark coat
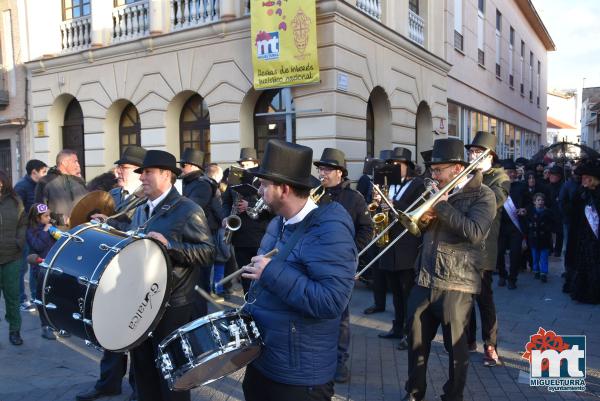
<point x="586" y="280"/>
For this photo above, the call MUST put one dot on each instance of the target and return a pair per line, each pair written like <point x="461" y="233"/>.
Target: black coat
<point x="25" y="188"/>
<point x="403" y="254"/>
<point x="251" y="231"/>
<point x="518" y="195"/>
<point x="355" y="205"/>
<point x="497" y="180"/>
<point x="191" y="247"/>
<point x="204" y="192"/>
<point x="539" y="228"/>
<point x="60" y="192"/>
<point x="365" y="187"/>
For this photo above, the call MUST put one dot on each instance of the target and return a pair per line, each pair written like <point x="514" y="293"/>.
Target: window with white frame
<point x="522" y="67"/>
<point x="458" y="30"/>
<point x="511" y="45"/>
<point x="531" y="76"/>
<point x="539" y="73"/>
<point x="481" y="32"/>
<point x="498" y="41"/>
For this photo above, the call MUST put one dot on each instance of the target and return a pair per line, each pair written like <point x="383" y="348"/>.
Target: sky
<point x="574" y="26"/>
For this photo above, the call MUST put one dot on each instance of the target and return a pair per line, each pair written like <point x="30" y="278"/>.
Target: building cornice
<point x="536" y="23"/>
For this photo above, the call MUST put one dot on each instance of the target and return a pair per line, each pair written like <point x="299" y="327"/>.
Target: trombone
<point x="411" y="218"/>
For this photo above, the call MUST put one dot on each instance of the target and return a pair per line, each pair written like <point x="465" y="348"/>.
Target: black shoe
<point x="501" y="282"/>
<point x="391" y="334"/>
<point x="94" y="394"/>
<point x="373" y="309"/>
<point x="512" y="285"/>
<point x="15" y="338"/>
<point x="403" y="345"/>
<point x="544" y="278"/>
<point x="342" y="374"/>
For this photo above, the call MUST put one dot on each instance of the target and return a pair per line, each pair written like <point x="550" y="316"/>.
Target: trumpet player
<point x="246" y="240"/>
<point x="448" y="264"/>
<point x="398" y="262"/>
<point x="497" y="180"/>
<point x="333" y="175"/>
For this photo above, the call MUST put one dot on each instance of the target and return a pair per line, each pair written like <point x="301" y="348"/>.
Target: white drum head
<point x="129" y="295"/>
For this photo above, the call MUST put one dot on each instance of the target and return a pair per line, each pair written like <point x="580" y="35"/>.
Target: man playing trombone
<point x="333" y="175"/>
<point x="448" y="273"/>
<point x="398" y="263"/>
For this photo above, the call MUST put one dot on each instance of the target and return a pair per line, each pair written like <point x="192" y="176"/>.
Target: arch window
<point x="268" y="125"/>
<point x="129" y="128"/>
<point x="194" y="126"/>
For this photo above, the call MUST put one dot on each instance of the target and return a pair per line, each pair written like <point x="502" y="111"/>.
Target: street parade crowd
<point x="441" y="237"/>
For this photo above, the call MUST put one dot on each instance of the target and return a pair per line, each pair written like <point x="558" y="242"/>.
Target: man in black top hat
<point x="398" y="262"/>
<point x="555" y="184"/>
<point x="297" y="296"/>
<point x="334" y="178"/>
<point x="497" y="180"/>
<point x="180" y="225"/>
<point x="448" y="272"/>
<point x="246" y="239"/>
<point x="363" y="185"/>
<point x="113" y="365"/>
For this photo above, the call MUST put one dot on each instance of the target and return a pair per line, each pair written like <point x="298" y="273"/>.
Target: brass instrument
<point x="259" y="207"/>
<point x="317" y="193"/>
<point x="232" y="224"/>
<point x="380" y="222"/>
<point x="411" y="218"/>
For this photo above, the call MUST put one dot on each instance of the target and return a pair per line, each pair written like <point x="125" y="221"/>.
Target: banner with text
<point x="284" y="43"/>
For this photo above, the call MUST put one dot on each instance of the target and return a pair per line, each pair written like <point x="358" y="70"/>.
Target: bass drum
<point x="208" y="349"/>
<point x="105" y="286"/>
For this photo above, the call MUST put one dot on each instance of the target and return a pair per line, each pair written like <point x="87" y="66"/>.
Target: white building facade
<point x="171" y="74"/>
<point x="498" y="51"/>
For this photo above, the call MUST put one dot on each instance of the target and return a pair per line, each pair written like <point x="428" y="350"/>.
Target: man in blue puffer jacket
<point x="298" y="296"/>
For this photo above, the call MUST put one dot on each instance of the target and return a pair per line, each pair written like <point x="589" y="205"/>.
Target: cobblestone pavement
<point x="43" y="370"/>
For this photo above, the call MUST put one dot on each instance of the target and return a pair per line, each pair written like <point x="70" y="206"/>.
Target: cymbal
<point x="92" y="203"/>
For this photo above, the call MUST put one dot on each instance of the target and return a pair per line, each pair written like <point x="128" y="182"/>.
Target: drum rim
<point x="201" y="321"/>
<point x="163" y="307"/>
<point x="176" y="374"/>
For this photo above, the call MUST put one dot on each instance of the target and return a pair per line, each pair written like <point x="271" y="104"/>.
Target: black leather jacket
<point x="191" y="247"/>
<point x="204" y="192"/>
<point x="450" y="258"/>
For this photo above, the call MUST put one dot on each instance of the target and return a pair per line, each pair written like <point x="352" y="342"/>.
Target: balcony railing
<point x="76" y="34"/>
<point x="498" y="70"/>
<point x="416" y="28"/>
<point x="190" y="13"/>
<point x="4" y="98"/>
<point x="370" y="7"/>
<point x="511" y="80"/>
<point x="458" y="41"/>
<point x="130" y="21"/>
<point x="481" y="57"/>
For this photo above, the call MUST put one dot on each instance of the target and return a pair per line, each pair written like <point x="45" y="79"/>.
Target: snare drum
<point x="105" y="286"/>
<point x="208" y="349"/>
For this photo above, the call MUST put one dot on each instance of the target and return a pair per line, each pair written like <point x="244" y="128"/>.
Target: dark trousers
<point x="113" y="367"/>
<point x="558" y="239"/>
<point x="150" y="385"/>
<point x="257" y="387"/>
<point x="428" y="308"/>
<point x="200" y="304"/>
<point x="230" y="267"/>
<point x="344" y="337"/>
<point x="400" y="282"/>
<point x="509" y="238"/>
<point x="242" y="256"/>
<point x="379" y="285"/>
<point x="487" y="313"/>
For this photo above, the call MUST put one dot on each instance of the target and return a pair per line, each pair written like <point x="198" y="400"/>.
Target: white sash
<point x="511" y="210"/>
<point x="592" y="217"/>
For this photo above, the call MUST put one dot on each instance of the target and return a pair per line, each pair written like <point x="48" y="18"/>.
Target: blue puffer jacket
<point x="299" y="301"/>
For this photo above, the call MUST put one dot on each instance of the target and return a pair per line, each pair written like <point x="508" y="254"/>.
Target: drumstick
<point x="207" y="296"/>
<point x="236" y="273"/>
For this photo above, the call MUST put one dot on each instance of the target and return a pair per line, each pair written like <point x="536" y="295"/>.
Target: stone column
<point x="101" y="21"/>
<point x="159" y="16"/>
<point x="229" y="9"/>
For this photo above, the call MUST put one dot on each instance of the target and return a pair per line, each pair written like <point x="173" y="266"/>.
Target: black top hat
<point x="192" y="156"/>
<point x="484" y="140"/>
<point x="426" y="155"/>
<point x="248" y="155"/>
<point x="522" y="161"/>
<point x="509" y="164"/>
<point x="448" y="150"/>
<point x="159" y="159"/>
<point x="402" y="155"/>
<point x="132" y="155"/>
<point x="556" y="169"/>
<point x="370" y="163"/>
<point x="385" y="154"/>
<point x="334" y="158"/>
<point x="588" y="167"/>
<point x="286" y="163"/>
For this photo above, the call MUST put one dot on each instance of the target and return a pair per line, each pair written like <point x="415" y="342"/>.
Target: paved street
<point x="57" y="370"/>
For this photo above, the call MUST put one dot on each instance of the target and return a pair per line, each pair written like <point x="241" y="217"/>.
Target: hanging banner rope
<point x="284" y="43"/>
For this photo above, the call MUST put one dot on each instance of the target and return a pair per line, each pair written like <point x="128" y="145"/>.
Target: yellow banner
<point x="284" y="43"/>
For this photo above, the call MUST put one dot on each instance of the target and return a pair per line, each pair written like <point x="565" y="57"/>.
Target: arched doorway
<point x="378" y="122"/>
<point x="270" y="126"/>
<point x="72" y="132"/>
<point x="194" y="126"/>
<point x="370" y="137"/>
<point x="424" y="125"/>
<point x="129" y="128"/>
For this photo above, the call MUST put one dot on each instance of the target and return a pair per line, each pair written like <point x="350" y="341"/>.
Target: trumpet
<point x="232" y="224"/>
<point x="410" y="218"/>
<point x="317" y="193"/>
<point x="259" y="207"/>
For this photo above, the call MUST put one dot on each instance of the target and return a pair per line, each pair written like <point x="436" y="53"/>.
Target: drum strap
<point x="163" y="209"/>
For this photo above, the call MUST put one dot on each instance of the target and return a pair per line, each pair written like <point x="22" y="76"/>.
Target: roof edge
<point x="534" y="19"/>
